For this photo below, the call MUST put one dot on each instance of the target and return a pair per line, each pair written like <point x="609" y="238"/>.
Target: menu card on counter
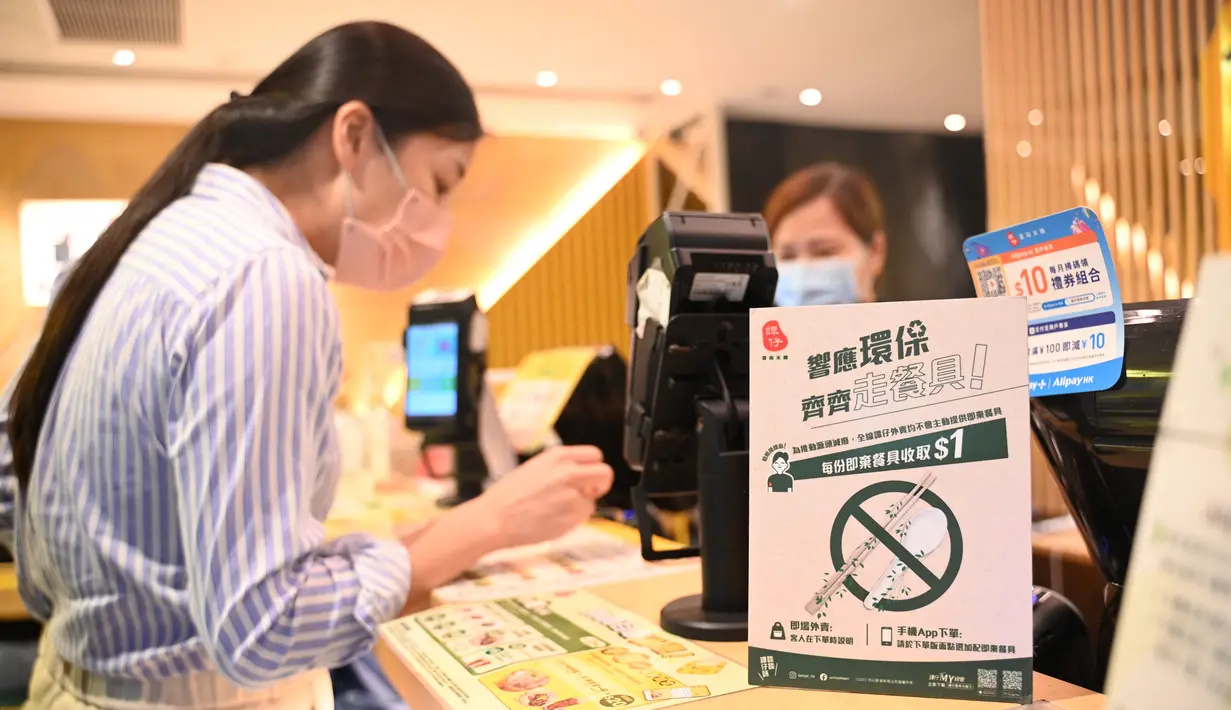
<point x="586" y="557"/>
<point x="889" y="499"/>
<point x="555" y="651"/>
<point x="1173" y="636"/>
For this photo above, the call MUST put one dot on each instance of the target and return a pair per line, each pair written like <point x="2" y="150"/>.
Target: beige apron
<point x="57" y="685"/>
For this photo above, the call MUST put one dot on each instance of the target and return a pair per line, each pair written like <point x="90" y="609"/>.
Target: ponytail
<point x="69" y="310"/>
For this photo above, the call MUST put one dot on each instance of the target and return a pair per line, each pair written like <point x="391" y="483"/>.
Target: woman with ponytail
<point x="170" y="456"/>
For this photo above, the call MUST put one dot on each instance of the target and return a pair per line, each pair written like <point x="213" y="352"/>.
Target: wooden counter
<point x="11" y="606"/>
<point x="647" y="597"/>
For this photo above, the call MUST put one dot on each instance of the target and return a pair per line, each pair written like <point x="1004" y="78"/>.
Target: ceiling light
<point x="1199" y="165"/>
<point x="546" y="79"/>
<point x="1164" y="127"/>
<point x="955" y="122"/>
<point x="1024" y="149"/>
<point x="810" y="97"/>
<point x="1035" y="117"/>
<point x="671" y="87"/>
<point x="123" y="57"/>
<point x="1186" y="167"/>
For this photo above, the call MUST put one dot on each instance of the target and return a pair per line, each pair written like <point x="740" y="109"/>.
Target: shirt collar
<point x="223" y="182"/>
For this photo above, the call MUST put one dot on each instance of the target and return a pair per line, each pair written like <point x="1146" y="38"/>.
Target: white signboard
<point x="890" y="499"/>
<point x="55" y="233"/>
<point x="1173" y="637"/>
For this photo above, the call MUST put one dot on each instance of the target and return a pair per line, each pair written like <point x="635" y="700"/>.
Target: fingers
<point x="592" y="480"/>
<point x="578" y="454"/>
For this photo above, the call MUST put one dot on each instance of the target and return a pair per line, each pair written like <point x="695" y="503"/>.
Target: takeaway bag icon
<point x="777" y="633"/>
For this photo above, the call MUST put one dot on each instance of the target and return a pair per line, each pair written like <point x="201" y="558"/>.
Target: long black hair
<point x="410" y="87"/>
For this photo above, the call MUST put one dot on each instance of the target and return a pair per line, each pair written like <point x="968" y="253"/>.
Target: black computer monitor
<point x="686" y="420"/>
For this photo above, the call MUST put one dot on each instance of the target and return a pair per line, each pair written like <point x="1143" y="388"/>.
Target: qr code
<point x="987" y="679"/>
<point x="1011" y="681"/>
<point x="991" y="282"/>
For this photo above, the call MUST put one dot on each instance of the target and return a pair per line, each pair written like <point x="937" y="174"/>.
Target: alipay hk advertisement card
<point x="889" y="499"/>
<point x="1062" y="265"/>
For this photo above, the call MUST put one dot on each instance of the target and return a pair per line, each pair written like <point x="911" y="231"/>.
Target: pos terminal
<point x="690" y="284"/>
<point x="447" y="398"/>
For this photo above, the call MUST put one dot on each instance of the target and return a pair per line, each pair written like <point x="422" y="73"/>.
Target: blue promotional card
<point x="1062" y="265"/>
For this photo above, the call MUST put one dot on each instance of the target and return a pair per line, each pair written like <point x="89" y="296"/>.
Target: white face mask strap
<point x="393" y="161"/>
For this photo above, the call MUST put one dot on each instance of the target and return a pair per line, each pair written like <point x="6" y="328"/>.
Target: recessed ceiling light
<point x="1164" y="127"/>
<point x="671" y="87"/>
<point x="810" y="97"/>
<point x="1035" y="117"/>
<point x="546" y="79"/>
<point x="955" y="122"/>
<point x="123" y="57"/>
<point x="1024" y="148"/>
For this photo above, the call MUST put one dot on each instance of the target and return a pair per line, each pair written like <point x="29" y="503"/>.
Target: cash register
<point x="1099" y="446"/>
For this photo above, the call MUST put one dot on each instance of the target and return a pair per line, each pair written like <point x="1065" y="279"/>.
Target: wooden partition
<point x="1100" y="103"/>
<point x="513" y="183"/>
<point x="575" y="294"/>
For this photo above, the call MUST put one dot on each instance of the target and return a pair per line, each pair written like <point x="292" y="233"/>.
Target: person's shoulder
<point x="199" y="248"/>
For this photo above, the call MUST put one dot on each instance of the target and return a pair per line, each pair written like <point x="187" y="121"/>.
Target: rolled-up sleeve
<point x="259" y="371"/>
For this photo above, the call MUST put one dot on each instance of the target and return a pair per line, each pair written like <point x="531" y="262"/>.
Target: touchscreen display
<point x="431" y="369"/>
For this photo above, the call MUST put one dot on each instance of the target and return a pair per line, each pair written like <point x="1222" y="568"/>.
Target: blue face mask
<point x="816" y="282"/>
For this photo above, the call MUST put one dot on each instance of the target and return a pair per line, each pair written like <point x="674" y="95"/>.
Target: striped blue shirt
<point x="174" y="519"/>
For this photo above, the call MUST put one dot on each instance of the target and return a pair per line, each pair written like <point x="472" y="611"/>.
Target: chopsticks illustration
<point x="899" y="510"/>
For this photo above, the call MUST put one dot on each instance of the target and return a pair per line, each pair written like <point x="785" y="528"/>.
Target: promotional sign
<point x="531" y="403"/>
<point x="1172" y="647"/>
<point x="585" y="557"/>
<point x="1062" y="265"/>
<point x="889" y="499"/>
<point x="554" y="651"/>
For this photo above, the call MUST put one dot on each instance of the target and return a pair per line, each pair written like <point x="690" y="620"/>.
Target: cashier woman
<point x="170" y="435"/>
<point x="827" y="228"/>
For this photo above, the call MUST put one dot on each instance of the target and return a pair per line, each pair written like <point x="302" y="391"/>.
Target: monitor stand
<point x="487" y="456"/>
<point x="469" y="474"/>
<point x="720" y="611"/>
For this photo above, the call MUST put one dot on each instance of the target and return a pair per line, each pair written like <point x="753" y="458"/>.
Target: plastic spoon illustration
<point x="924" y="533"/>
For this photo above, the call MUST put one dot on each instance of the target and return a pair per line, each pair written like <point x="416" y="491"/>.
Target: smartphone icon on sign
<point x="886" y="636"/>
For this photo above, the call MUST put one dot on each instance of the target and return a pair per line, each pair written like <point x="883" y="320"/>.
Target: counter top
<point x="647" y="597"/>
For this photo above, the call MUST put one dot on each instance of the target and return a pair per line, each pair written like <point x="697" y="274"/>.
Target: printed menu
<point x="889" y="499"/>
<point x="1173" y="636"/>
<point x="566" y="649"/>
<point x="585" y="557"/>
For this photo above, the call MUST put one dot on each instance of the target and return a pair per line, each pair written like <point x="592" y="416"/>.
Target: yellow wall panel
<point x="576" y="294"/>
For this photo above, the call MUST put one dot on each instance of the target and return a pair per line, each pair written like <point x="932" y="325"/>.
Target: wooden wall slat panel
<point x="575" y="294"/>
<point x="1120" y="87"/>
<point x="1107" y="75"/>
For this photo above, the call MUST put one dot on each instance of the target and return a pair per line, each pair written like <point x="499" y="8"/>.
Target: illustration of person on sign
<point x="780" y="481"/>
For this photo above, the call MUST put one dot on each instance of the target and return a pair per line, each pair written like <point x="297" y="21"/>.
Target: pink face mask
<point x="392" y="256"/>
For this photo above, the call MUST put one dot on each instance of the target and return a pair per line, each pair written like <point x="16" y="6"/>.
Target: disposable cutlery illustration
<point x="921" y="533"/>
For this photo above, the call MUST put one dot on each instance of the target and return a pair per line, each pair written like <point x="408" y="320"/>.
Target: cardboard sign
<point x="531" y="403"/>
<point x="890" y="500"/>
<point x="556" y="651"/>
<point x="1172" y="646"/>
<point x="1062" y="266"/>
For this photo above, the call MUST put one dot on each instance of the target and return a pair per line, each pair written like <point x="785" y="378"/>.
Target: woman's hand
<point x="540" y="500"/>
<point x="547" y="496"/>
